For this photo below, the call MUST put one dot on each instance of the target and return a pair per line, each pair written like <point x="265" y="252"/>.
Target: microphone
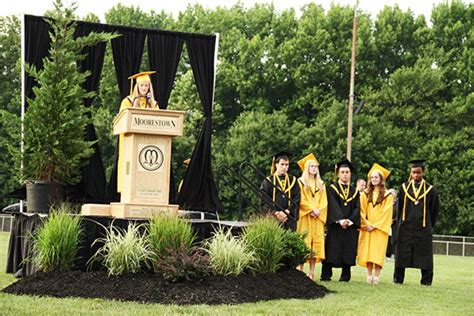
<point x="148" y="96"/>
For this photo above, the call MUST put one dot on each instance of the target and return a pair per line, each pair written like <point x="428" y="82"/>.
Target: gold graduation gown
<point x="373" y="245"/>
<point x="313" y="226"/>
<point x="126" y="103"/>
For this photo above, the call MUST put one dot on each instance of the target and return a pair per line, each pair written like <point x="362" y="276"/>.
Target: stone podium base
<point x="96" y="210"/>
<point x="125" y="210"/>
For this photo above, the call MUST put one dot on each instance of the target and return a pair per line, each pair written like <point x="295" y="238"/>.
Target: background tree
<point x="10" y="101"/>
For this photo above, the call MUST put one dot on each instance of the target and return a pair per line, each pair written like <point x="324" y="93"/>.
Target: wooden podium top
<point x="147" y="121"/>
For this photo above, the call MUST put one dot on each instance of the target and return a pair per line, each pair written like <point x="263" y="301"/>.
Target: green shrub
<point x="124" y="251"/>
<point x="166" y="234"/>
<point x="296" y="250"/>
<point x="265" y="238"/>
<point x="56" y="243"/>
<point x="184" y="264"/>
<point x="228" y="255"/>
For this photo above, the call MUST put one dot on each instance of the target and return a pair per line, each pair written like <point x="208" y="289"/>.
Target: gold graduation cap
<point x="376" y="167"/>
<point x="187" y="161"/>
<point x="140" y="77"/>
<point x="303" y="161"/>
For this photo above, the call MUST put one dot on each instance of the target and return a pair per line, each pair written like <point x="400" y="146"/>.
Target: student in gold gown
<point x="376" y="207"/>
<point x="313" y="210"/>
<point x="141" y="96"/>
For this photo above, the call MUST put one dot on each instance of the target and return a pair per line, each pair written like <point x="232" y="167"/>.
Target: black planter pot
<point x="41" y="195"/>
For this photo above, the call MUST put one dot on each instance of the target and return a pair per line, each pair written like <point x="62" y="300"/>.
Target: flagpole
<point x="23" y="97"/>
<point x="351" y="89"/>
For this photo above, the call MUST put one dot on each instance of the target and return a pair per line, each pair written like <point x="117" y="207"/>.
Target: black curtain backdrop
<point x="199" y="190"/>
<point x="92" y="188"/>
<point x="164" y="53"/>
<point x="37" y="44"/>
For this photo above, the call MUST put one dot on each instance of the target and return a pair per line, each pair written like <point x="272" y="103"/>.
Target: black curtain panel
<point x="37" y="44"/>
<point x="199" y="190"/>
<point x="127" y="51"/>
<point x="92" y="188"/>
<point x="164" y="53"/>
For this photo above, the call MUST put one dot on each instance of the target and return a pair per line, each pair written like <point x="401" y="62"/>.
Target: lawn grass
<point x="451" y="294"/>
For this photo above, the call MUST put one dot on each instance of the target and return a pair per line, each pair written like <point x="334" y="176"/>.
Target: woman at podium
<point x="141" y="96"/>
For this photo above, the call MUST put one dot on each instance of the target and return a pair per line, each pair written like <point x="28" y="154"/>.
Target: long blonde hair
<point x="370" y="188"/>
<point x="305" y="176"/>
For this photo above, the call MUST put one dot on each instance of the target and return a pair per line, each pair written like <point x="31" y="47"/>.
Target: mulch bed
<point x="152" y="288"/>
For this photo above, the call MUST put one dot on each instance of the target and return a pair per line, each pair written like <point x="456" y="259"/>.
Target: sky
<point x="99" y="7"/>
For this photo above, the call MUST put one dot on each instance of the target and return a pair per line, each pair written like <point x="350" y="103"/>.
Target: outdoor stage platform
<point x="24" y="224"/>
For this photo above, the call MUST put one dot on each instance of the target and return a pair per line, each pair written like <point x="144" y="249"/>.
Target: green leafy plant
<point x="184" y="264"/>
<point x="56" y="243"/>
<point x="228" y="254"/>
<point x="266" y="238"/>
<point x="166" y="234"/>
<point x="123" y="251"/>
<point x="295" y="250"/>
<point x="55" y="121"/>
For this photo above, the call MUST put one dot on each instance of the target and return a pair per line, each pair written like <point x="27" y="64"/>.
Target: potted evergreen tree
<point x="54" y="124"/>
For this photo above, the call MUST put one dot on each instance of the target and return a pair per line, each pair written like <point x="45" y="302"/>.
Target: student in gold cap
<point x="418" y="207"/>
<point x="141" y="96"/>
<point x="376" y="207"/>
<point x="313" y="210"/>
<point x="282" y="190"/>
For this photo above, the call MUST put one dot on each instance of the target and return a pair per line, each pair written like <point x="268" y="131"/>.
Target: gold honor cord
<point x="283" y="186"/>
<point x="344" y="198"/>
<point x="345" y="193"/>
<point x="417" y="198"/>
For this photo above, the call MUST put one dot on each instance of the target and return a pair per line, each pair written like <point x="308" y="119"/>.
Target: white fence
<point x="453" y="245"/>
<point x="6" y="223"/>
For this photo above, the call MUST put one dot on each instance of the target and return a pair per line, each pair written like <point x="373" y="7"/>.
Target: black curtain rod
<point x="113" y="28"/>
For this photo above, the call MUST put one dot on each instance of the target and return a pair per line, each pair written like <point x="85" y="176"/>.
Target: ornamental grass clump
<point x="124" y="251"/>
<point x="228" y="254"/>
<point x="56" y="243"/>
<point x="166" y="234"/>
<point x="265" y="238"/>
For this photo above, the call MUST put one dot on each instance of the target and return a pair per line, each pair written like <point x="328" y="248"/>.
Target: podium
<point x="146" y="163"/>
